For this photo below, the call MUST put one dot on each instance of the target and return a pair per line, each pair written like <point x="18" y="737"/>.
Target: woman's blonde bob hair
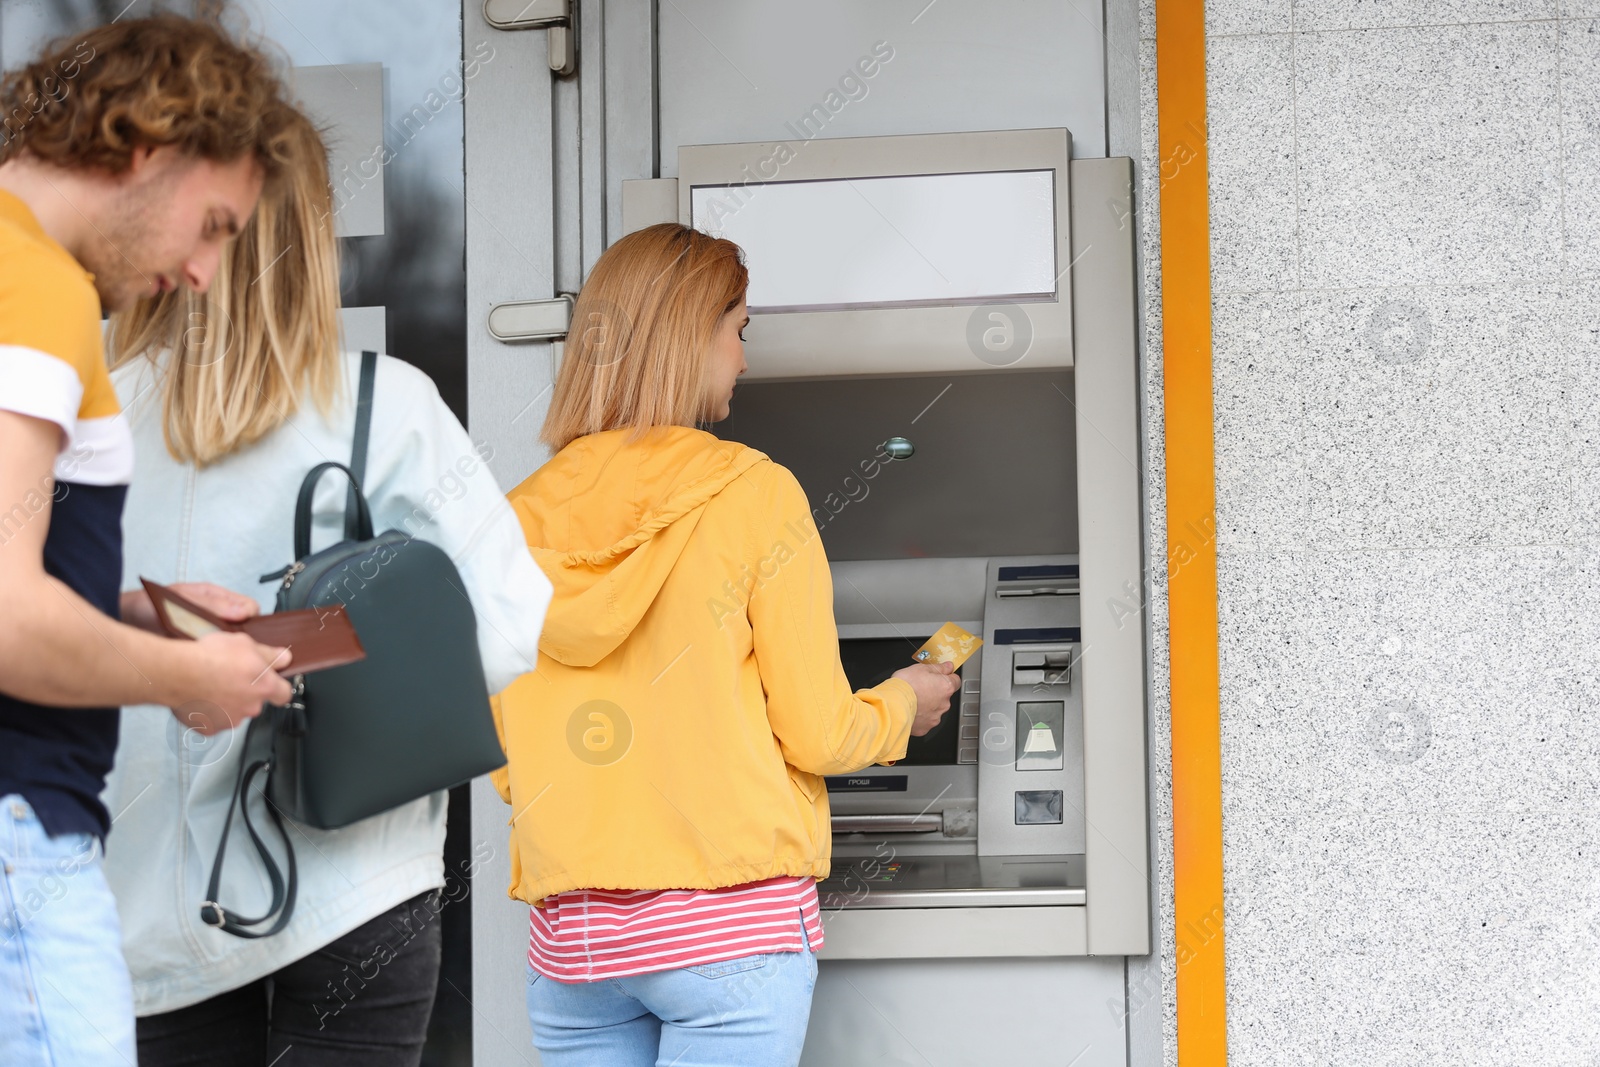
<point x="637" y="351"/>
<point x="236" y="360"/>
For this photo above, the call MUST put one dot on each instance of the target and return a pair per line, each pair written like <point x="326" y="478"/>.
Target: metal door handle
<point x="552" y="15"/>
<point x="531" y="320"/>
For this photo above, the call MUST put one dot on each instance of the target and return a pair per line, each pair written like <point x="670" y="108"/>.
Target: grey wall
<point x="734" y="71"/>
<point x="1152" y="981"/>
<point x="1406" y="272"/>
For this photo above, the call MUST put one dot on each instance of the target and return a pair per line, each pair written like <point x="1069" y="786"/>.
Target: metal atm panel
<point x="1103" y="723"/>
<point x="1030" y="775"/>
<point x="954" y="838"/>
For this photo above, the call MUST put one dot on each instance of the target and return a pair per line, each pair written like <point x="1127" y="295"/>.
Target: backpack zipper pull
<point x="287" y="574"/>
<point x="294" y="723"/>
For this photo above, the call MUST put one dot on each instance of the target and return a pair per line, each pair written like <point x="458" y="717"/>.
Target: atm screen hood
<point x="894" y="255"/>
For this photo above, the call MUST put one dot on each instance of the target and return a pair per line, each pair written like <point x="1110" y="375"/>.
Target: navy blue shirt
<point x="58" y="758"/>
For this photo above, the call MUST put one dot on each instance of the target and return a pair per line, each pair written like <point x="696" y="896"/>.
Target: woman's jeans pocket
<point x="727" y="967"/>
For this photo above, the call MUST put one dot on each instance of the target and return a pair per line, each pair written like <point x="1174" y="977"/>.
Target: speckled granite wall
<point x="1406" y="267"/>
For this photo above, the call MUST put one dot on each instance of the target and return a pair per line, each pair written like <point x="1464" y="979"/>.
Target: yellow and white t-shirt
<point x="52" y="367"/>
<point x="52" y="362"/>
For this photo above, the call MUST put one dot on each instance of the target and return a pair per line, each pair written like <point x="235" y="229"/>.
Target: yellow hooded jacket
<point x="688" y="694"/>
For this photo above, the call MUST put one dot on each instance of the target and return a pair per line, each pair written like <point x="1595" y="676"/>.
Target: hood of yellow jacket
<point x="607" y="519"/>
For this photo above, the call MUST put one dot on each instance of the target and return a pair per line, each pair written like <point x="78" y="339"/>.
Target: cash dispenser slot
<point x="955" y="882"/>
<point x="921" y="823"/>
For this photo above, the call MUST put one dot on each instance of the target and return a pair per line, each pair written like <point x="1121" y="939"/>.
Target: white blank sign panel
<point x="913" y="241"/>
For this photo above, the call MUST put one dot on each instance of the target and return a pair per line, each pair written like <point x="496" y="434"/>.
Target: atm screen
<point x="871" y="660"/>
<point x="909" y="240"/>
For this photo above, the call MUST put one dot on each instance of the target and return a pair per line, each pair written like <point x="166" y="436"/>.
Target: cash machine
<point x="942" y="348"/>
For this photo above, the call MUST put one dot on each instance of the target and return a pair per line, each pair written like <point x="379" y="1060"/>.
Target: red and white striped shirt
<point x="585" y="935"/>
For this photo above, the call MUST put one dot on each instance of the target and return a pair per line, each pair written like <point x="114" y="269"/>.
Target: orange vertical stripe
<point x="1191" y="529"/>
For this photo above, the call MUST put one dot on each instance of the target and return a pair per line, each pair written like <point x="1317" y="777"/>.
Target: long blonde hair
<point x="243" y="353"/>
<point x="637" y="352"/>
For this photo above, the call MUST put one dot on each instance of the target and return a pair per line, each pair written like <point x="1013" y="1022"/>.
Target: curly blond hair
<point x="88" y="101"/>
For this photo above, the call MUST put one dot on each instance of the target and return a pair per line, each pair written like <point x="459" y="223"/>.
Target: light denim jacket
<point x="230" y="523"/>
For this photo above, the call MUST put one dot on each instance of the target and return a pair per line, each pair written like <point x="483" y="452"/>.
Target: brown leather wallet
<point x="317" y="638"/>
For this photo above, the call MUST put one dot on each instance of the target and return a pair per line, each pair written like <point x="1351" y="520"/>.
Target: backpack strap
<point x="257" y="757"/>
<point x="358" y="447"/>
<point x="360" y="529"/>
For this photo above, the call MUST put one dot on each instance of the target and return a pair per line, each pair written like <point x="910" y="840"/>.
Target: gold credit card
<point x="951" y="644"/>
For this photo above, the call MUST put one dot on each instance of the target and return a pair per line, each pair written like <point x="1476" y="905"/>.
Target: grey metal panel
<point x="999" y="778"/>
<point x="647" y="201"/>
<point x="906" y="626"/>
<point x="568" y="133"/>
<point x="929" y="789"/>
<point x="971" y="1012"/>
<point x="950" y="933"/>
<point x="752" y="69"/>
<point x="510" y="256"/>
<point x="500" y="1033"/>
<point x="510" y="245"/>
<point x="347" y="103"/>
<point x="993" y="472"/>
<point x="364" y="328"/>
<point x="1109" y="539"/>
<point x="948" y="589"/>
<point x="630" y="102"/>
<point x="592" y="132"/>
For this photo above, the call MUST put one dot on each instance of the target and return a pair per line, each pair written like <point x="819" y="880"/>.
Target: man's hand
<point x="232" y="678"/>
<point x="934" y="684"/>
<point x="224" y="603"/>
<point x="58" y="650"/>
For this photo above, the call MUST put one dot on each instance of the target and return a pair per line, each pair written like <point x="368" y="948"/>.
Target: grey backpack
<point x="410" y="719"/>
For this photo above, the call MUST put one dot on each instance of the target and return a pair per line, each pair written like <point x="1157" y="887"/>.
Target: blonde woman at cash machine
<point x="666" y="758"/>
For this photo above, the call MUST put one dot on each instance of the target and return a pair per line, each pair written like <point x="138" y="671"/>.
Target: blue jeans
<point x="65" y="996"/>
<point x="749" y="1012"/>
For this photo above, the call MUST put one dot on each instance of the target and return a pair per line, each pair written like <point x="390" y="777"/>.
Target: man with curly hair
<point x="128" y="156"/>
